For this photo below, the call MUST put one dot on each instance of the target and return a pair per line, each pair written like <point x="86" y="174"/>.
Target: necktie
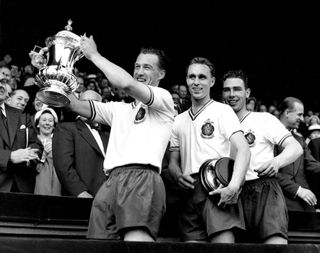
<point x="4" y="118"/>
<point x="93" y="125"/>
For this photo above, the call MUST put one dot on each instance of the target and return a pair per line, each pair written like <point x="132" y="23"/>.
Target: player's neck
<point x="198" y="104"/>
<point x="242" y="113"/>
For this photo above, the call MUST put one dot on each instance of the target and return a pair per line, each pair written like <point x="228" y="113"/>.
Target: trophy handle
<point x="38" y="57"/>
<point x="49" y="41"/>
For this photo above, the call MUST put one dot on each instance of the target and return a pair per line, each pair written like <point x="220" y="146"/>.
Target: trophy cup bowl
<point x="55" y="62"/>
<point x="214" y="173"/>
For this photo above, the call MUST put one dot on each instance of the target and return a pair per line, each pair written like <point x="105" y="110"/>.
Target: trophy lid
<point x="67" y="32"/>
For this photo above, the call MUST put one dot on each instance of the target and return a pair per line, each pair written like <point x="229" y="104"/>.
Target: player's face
<point x="235" y="94"/>
<point x="295" y="116"/>
<point x="199" y="81"/>
<point x="146" y="70"/>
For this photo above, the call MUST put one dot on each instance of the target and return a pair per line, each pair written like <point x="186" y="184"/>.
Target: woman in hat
<point x="47" y="182"/>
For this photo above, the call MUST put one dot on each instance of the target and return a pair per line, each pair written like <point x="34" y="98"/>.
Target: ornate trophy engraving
<point x="55" y="63"/>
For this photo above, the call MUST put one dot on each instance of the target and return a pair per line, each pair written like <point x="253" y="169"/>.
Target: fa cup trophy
<point x="55" y="63"/>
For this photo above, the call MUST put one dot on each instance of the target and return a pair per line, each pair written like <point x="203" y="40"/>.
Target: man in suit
<point x="19" y="147"/>
<point x="292" y="177"/>
<point x="78" y="154"/>
<point x="314" y="146"/>
<point x="18" y="99"/>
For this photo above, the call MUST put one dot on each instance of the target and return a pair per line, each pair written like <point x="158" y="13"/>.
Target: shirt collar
<point x="3" y="109"/>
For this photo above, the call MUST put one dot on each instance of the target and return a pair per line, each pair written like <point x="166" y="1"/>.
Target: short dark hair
<point x="236" y="74"/>
<point x="288" y="103"/>
<point x="204" y="61"/>
<point x="163" y="59"/>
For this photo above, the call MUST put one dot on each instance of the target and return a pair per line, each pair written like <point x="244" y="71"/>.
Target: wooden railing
<point x="67" y="217"/>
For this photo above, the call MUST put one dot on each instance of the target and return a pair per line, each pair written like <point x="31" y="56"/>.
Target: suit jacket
<point x="313" y="180"/>
<point x="77" y="158"/>
<point x="294" y="175"/>
<point x="21" y="174"/>
<point x="314" y="146"/>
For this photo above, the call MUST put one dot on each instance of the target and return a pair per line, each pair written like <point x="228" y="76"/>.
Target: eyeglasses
<point x="4" y="81"/>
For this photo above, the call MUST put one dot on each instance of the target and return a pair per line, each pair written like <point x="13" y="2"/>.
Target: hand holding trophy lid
<point x="55" y="63"/>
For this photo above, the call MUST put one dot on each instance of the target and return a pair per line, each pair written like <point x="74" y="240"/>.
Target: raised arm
<point x="115" y="74"/>
<point x="80" y="107"/>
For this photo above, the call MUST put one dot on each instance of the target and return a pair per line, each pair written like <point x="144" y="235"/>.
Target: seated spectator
<point x="38" y="104"/>
<point x="185" y="101"/>
<point x="5" y="70"/>
<point x="262" y="108"/>
<point x="176" y="101"/>
<point x="313" y="132"/>
<point x="106" y="94"/>
<point x="29" y="84"/>
<point x="47" y="182"/>
<point x="28" y="72"/>
<point x="275" y="113"/>
<point x="175" y="97"/>
<point x="18" y="99"/>
<point x="6" y="60"/>
<point x="251" y="104"/>
<point x="104" y="82"/>
<point x="92" y="84"/>
<point x="314" y="143"/>
<point x="15" y="76"/>
<point x="314" y="119"/>
<point x="80" y="89"/>
<point x="174" y="88"/>
<point x="271" y="108"/>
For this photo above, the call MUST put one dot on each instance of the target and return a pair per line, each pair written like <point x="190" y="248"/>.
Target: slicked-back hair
<point x="236" y="74"/>
<point x="288" y="103"/>
<point x="204" y="61"/>
<point x="14" y="92"/>
<point x="163" y="59"/>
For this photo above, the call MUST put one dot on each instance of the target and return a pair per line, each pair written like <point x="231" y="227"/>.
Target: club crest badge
<point x="207" y="129"/>
<point x="250" y="137"/>
<point x="140" y="116"/>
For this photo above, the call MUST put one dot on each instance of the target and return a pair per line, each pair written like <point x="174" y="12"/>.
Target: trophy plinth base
<point x="53" y="97"/>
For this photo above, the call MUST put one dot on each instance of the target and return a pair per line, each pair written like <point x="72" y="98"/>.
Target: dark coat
<point x="314" y="146"/>
<point x="294" y="175"/>
<point x="77" y="158"/>
<point x="313" y="180"/>
<point x="20" y="128"/>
